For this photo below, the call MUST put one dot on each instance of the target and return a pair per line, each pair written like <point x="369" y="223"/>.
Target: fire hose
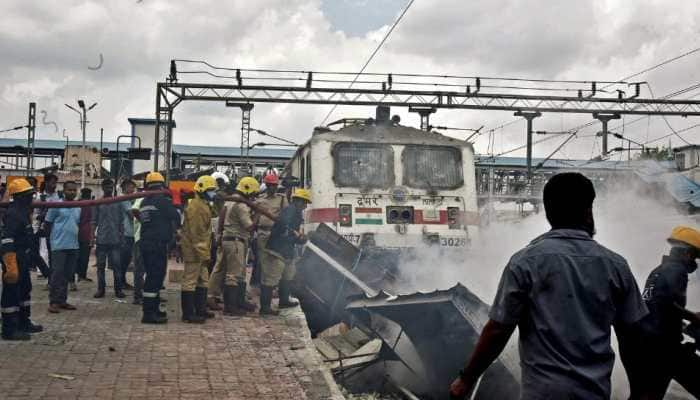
<point x="309" y="245"/>
<point x="90" y="203"/>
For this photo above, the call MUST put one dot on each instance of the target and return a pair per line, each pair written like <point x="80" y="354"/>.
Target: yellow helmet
<point x="19" y="186"/>
<point x="248" y="185"/>
<point x="154" y="177"/>
<point x="303" y="194"/>
<point x="204" y="183"/>
<point x="687" y="235"/>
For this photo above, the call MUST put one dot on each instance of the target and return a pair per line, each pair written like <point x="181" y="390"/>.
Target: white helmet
<point x="220" y="175"/>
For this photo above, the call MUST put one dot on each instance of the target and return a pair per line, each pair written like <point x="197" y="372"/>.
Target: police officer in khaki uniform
<point x="273" y="202"/>
<point x="278" y="259"/>
<point x="235" y="236"/>
<point x="196" y="251"/>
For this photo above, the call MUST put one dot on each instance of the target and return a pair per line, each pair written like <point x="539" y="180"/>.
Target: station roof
<point x="268" y="152"/>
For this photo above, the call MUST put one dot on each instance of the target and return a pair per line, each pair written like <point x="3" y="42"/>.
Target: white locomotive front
<point x="380" y="184"/>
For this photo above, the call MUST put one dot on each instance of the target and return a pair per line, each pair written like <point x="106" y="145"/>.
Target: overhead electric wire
<point x="666" y="120"/>
<point x="16" y="128"/>
<point x="380" y="83"/>
<point x="379" y="46"/>
<point x="661" y="64"/>
<point x="653" y="67"/>
<point x="407" y="75"/>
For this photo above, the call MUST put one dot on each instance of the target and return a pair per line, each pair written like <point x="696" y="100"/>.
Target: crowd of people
<point x="219" y="230"/>
<point x="564" y="291"/>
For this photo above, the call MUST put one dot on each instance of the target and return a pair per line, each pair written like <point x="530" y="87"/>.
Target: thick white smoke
<point x="629" y="221"/>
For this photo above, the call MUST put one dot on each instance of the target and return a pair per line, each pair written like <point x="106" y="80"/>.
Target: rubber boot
<point x="266" y="301"/>
<point x="150" y="312"/>
<point x="161" y="314"/>
<point x="9" y="328"/>
<point x="188" y="311"/>
<point x="213" y="304"/>
<point x="231" y="301"/>
<point x="284" y="295"/>
<point x="243" y="303"/>
<point x="200" y="303"/>
<point x="25" y="323"/>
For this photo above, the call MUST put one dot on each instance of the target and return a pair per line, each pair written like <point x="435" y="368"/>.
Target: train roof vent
<point x="383" y="114"/>
<point x="320" y="129"/>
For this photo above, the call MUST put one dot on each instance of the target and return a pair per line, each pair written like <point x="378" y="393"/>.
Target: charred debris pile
<point x="402" y="346"/>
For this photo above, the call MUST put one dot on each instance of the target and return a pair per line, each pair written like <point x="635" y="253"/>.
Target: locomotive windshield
<point x="432" y="167"/>
<point x="363" y="165"/>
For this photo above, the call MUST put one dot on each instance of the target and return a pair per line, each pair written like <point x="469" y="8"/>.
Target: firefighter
<point x="17" y="236"/>
<point x="278" y="262"/>
<point x="222" y="183"/>
<point x="234" y="239"/>
<point x="196" y="251"/>
<point x="159" y="219"/>
<point x="274" y="203"/>
<point x="665" y="357"/>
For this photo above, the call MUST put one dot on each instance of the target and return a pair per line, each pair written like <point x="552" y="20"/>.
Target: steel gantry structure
<point x="248" y="86"/>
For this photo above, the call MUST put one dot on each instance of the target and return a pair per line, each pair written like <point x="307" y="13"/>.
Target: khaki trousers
<point x="196" y="275"/>
<point x="276" y="268"/>
<point x="229" y="268"/>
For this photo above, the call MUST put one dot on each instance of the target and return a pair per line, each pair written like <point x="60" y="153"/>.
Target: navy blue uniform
<point x="282" y="237"/>
<point x="17" y="237"/>
<point x="666" y="358"/>
<point x="159" y="219"/>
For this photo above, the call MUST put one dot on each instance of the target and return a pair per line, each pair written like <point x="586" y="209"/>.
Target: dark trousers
<point x="110" y="252"/>
<point x="127" y="250"/>
<point x="83" y="260"/>
<point x="15" y="300"/>
<point x="212" y="254"/>
<point x="138" y="272"/>
<point x="36" y="259"/>
<point x="155" y="264"/>
<point x="661" y="363"/>
<point x="63" y="269"/>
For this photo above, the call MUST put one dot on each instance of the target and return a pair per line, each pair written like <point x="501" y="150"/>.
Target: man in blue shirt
<point x="563" y="291"/>
<point x="62" y="223"/>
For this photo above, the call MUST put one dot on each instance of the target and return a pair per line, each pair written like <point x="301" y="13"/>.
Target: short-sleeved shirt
<point x="238" y="220"/>
<point x="282" y="237"/>
<point x="109" y="220"/>
<point x="128" y="219"/>
<point x="667" y="284"/>
<point x="137" y="223"/>
<point x="65" y="223"/>
<point x="564" y="291"/>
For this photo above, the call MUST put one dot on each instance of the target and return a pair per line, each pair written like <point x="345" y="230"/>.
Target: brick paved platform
<point x="104" y="352"/>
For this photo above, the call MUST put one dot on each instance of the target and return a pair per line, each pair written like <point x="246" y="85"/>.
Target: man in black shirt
<point x="159" y="219"/>
<point x="17" y="238"/>
<point x="665" y="296"/>
<point x="278" y="264"/>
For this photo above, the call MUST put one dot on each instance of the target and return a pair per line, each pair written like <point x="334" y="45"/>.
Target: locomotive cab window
<point x="363" y="165"/>
<point x="432" y="167"/>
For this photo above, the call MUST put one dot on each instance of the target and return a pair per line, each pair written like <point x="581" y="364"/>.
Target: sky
<point x="51" y="51"/>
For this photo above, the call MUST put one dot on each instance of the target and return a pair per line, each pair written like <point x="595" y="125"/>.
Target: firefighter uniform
<point x="158" y="218"/>
<point x="17" y="237"/>
<point x="274" y="204"/>
<point x="237" y="228"/>
<point x="278" y="261"/>
<point x="665" y="294"/>
<point x="196" y="251"/>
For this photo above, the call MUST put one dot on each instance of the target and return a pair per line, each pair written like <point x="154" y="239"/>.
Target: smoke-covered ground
<point x="628" y="221"/>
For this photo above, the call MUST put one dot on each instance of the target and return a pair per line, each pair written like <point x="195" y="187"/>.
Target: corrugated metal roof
<point x="178" y="148"/>
<point x="521" y="162"/>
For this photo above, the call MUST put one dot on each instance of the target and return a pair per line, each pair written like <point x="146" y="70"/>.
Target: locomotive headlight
<point x="453" y="218"/>
<point x="345" y="215"/>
